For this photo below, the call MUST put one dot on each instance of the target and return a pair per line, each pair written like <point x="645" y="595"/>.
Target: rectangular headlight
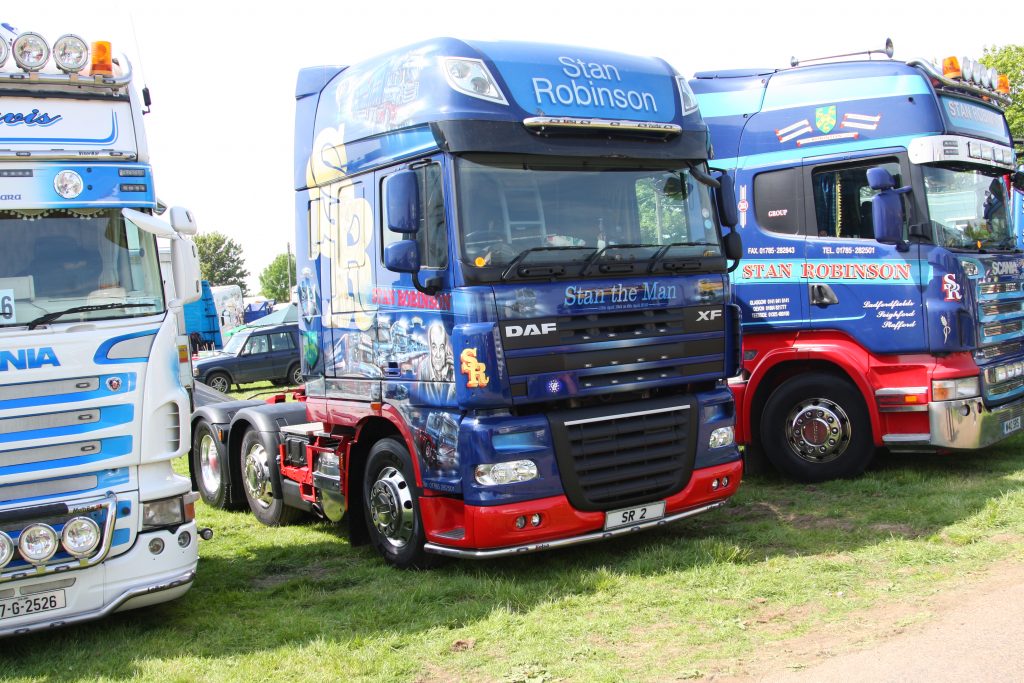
<point x="165" y="512"/>
<point x="950" y="389"/>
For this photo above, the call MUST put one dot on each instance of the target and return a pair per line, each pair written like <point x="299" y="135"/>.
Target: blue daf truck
<point x="514" y="305"/>
<point x="881" y="288"/>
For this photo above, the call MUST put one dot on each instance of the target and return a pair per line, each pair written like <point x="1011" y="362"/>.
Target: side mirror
<point x="733" y="246"/>
<point x="188" y="286"/>
<point x="402" y="257"/>
<point x="1018" y="180"/>
<point x="886" y="206"/>
<point x="402" y="191"/>
<point x="725" y="197"/>
<point x="182" y="221"/>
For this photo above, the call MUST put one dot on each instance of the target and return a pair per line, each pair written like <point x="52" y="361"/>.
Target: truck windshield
<point x="56" y="260"/>
<point x="968" y="206"/>
<point x="563" y="220"/>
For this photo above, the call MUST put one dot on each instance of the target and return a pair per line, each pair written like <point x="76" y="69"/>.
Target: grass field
<point x="781" y="560"/>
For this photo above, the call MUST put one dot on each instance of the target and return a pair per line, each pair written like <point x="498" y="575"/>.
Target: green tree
<point x="221" y="261"/>
<point x="1009" y="60"/>
<point x="275" y="278"/>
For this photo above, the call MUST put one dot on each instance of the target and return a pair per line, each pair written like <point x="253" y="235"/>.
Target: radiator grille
<point x="615" y="456"/>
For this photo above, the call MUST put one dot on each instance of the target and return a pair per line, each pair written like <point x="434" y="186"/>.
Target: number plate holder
<point x="32" y="604"/>
<point x="615" y="519"/>
<point x="1011" y="425"/>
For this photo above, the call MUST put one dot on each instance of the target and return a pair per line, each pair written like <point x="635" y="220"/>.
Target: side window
<point x="777" y="200"/>
<point x="433" y="233"/>
<point x="281" y="341"/>
<point x="256" y="344"/>
<point x="842" y="198"/>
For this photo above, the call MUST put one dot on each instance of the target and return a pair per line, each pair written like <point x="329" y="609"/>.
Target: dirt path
<point x="971" y="632"/>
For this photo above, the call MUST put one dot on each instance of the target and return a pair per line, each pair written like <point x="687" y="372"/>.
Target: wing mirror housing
<point x="725" y="197"/>
<point x="886" y="207"/>
<point x="402" y="191"/>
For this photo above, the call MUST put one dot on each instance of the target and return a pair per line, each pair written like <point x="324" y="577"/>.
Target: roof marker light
<point x="70" y="53"/>
<point x="31" y="51"/>
<point x="101" y="58"/>
<point x="951" y="67"/>
<point x="1002" y="84"/>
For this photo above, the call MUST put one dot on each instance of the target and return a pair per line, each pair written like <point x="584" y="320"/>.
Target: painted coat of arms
<point x="825" y="118"/>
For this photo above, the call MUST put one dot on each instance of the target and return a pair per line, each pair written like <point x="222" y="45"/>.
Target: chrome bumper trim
<point x="104" y="611"/>
<point x="565" y="542"/>
<point x="968" y="424"/>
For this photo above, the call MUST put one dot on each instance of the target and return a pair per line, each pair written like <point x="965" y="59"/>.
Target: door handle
<point x="822" y="295"/>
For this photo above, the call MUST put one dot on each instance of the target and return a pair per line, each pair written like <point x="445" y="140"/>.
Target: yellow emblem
<point x="474" y="370"/>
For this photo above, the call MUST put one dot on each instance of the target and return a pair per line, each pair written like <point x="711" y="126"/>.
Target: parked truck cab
<point x="93" y="406"/>
<point x="514" y="301"/>
<point x="881" y="288"/>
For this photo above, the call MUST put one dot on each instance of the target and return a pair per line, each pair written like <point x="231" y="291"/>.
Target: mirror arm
<point x="431" y="287"/>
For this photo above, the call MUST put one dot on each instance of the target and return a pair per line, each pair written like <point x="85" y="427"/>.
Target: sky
<point x="222" y="74"/>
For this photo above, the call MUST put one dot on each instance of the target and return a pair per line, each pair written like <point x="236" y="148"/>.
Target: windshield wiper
<point x="682" y="264"/>
<point x="50" y="317"/>
<point x="542" y="269"/>
<point x="617" y="266"/>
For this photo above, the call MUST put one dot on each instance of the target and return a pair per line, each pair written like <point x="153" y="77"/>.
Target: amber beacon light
<point x="101" y="59"/>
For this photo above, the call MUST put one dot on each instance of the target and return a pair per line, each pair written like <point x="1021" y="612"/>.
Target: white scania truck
<point x="93" y="406"/>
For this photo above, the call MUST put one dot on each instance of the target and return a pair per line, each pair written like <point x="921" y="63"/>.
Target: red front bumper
<point x="460" y="530"/>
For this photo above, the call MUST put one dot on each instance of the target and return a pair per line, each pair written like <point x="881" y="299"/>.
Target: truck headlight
<point x="70" y="53"/>
<point x="6" y="547"/>
<point x="723" y="436"/>
<point x="80" y="536"/>
<point x="949" y="389"/>
<point x="493" y="474"/>
<point x="169" y="511"/>
<point x="37" y="543"/>
<point x="30" y="51"/>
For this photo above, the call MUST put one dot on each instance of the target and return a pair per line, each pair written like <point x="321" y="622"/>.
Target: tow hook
<point x="206" y="533"/>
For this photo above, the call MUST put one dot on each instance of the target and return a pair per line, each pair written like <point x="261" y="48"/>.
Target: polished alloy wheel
<point x="209" y="463"/>
<point x="391" y="507"/>
<point x="818" y="430"/>
<point x="257" y="476"/>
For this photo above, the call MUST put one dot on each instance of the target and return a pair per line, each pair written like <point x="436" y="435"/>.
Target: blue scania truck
<point x="93" y="407"/>
<point x="514" y="304"/>
<point x="882" y="288"/>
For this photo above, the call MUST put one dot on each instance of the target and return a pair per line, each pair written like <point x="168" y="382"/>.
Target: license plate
<point x="627" y="516"/>
<point x="1011" y="425"/>
<point x="41" y="602"/>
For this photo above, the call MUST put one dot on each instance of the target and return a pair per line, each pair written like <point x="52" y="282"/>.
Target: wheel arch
<point x="847" y="363"/>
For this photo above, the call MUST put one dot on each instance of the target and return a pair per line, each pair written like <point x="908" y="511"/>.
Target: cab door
<point x="854" y="284"/>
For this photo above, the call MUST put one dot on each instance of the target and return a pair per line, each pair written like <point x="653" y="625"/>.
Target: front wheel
<point x="815" y="427"/>
<point x="256" y="482"/>
<point x="391" y="506"/>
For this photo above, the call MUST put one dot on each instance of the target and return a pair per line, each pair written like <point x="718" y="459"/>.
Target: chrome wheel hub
<point x="257" y="476"/>
<point x="391" y="507"/>
<point x="209" y="463"/>
<point x="818" y="430"/>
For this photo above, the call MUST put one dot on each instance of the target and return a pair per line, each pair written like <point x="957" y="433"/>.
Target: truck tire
<point x="256" y="474"/>
<point x="218" y="381"/>
<point x="815" y="427"/>
<point x="391" y="506"/>
<point x="212" y="475"/>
